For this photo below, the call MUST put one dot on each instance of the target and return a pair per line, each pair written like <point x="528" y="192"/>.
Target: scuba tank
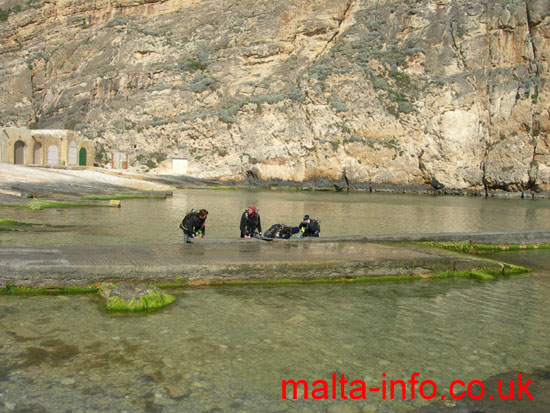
<point x="181" y="226"/>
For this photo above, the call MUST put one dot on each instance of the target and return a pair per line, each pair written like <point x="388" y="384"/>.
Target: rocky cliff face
<point x="448" y="95"/>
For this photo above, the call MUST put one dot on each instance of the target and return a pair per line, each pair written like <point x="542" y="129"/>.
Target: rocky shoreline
<point x="340" y="186"/>
<point x="25" y="186"/>
<point x="20" y="184"/>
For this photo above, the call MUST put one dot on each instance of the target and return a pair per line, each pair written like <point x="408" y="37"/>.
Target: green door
<point x="82" y="157"/>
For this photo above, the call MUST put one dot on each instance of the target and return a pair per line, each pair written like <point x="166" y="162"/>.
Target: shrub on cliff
<point x="202" y="82"/>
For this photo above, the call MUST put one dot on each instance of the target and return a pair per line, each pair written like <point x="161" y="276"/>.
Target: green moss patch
<point x="58" y="204"/>
<point x="39" y="205"/>
<point x="172" y="286"/>
<point x="483" y="274"/>
<point x="471" y="248"/>
<point x="154" y="300"/>
<point x="374" y="279"/>
<point x="122" y="196"/>
<point x="11" y="289"/>
<point x="10" y="223"/>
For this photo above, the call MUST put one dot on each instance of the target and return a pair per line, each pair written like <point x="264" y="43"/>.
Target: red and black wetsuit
<point x="250" y="225"/>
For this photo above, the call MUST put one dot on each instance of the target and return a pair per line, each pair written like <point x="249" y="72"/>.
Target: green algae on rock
<point x="9" y="225"/>
<point x="11" y="289"/>
<point x="130" y="298"/>
<point x="484" y="274"/>
<point x="43" y="204"/>
<point x="61" y="204"/>
<point x="9" y="222"/>
<point x="291" y="281"/>
<point x="474" y="248"/>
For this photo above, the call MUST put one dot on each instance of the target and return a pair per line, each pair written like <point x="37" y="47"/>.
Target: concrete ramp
<point x="219" y="261"/>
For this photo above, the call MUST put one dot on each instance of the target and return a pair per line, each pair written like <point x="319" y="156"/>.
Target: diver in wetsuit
<point x="251" y="224"/>
<point x="309" y="227"/>
<point x="193" y="224"/>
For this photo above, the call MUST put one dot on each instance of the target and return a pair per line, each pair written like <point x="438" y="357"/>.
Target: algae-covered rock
<point x="129" y="297"/>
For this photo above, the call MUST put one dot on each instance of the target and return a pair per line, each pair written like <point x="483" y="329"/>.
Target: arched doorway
<point x="72" y="153"/>
<point x="19" y="153"/>
<point x="53" y="155"/>
<point x="82" y="157"/>
<point x="37" y="154"/>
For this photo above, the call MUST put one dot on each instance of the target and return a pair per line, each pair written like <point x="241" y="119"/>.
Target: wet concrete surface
<point x="222" y="260"/>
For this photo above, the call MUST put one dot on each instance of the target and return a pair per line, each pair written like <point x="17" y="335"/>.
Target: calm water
<point x="156" y="221"/>
<point x="228" y="348"/>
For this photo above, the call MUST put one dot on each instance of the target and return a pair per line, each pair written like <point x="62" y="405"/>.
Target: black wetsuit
<point x="192" y="224"/>
<point x="311" y="229"/>
<point x="250" y="225"/>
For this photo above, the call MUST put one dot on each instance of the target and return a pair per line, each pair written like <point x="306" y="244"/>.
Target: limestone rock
<point x="349" y="93"/>
<point x="509" y="163"/>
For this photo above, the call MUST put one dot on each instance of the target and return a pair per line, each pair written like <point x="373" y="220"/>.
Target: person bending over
<point x="309" y="227"/>
<point x="250" y="223"/>
<point x="193" y="225"/>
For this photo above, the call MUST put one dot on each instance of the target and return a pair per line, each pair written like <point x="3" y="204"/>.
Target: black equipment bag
<point x="273" y="231"/>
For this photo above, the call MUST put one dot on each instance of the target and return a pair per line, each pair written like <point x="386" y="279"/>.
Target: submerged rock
<point x="21" y="333"/>
<point x="67" y="381"/>
<point x="129" y="297"/>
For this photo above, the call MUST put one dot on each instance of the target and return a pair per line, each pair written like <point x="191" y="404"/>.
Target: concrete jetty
<point x="244" y="260"/>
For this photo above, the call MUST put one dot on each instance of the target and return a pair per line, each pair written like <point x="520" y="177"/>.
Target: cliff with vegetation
<point x="417" y="94"/>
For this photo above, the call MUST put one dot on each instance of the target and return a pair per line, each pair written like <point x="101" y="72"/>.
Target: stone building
<point x="45" y="147"/>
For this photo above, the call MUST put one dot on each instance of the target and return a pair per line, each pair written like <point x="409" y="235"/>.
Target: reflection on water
<point x="228" y="348"/>
<point x="156" y="221"/>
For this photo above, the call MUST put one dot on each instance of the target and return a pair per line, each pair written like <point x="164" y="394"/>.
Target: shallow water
<point x="341" y="214"/>
<point x="228" y="348"/>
